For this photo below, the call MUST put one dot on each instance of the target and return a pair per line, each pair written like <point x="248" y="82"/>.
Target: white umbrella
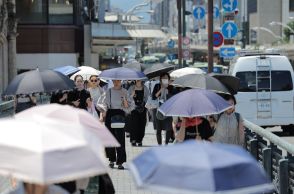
<point x="86" y="72"/>
<point x="67" y="114"/>
<point x="185" y="71"/>
<point x="43" y="151"/>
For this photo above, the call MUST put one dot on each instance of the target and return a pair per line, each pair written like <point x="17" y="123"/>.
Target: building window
<point x="45" y="11"/>
<point x="291" y="5"/>
<point x="60" y="12"/>
<point x="32" y="11"/>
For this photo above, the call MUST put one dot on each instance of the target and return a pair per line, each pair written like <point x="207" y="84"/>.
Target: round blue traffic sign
<point x="215" y="12"/>
<point x="218" y="39"/>
<point x="199" y="13"/>
<point x="229" y="5"/>
<point x="171" y="44"/>
<point x="229" y="30"/>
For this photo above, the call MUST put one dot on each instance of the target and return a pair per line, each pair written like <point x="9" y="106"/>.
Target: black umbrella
<point x="158" y="68"/>
<point x="231" y="82"/>
<point x="133" y="65"/>
<point x="200" y="81"/>
<point x="38" y="81"/>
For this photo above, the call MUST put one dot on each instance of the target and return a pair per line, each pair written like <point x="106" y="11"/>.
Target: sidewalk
<point x="122" y="180"/>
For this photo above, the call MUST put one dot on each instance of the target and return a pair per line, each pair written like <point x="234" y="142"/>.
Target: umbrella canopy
<point x="133" y="65"/>
<point x="67" y="70"/>
<point x="196" y="167"/>
<point x="201" y="81"/>
<point x="193" y="103"/>
<point x="70" y="115"/>
<point x="44" y="151"/>
<point x="231" y="82"/>
<point x="122" y="73"/>
<point x="158" y="68"/>
<point x="38" y="81"/>
<point x="185" y="71"/>
<point x="86" y="72"/>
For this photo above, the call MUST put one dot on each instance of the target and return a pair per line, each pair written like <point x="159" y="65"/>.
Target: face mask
<point x="164" y="81"/>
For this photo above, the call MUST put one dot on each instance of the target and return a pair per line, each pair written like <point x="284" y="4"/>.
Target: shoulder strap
<point x="110" y="97"/>
<point x="218" y="116"/>
<point x="238" y="118"/>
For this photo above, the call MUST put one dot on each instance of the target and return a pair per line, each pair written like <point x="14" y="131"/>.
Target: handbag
<point x="151" y="104"/>
<point x="117" y="121"/>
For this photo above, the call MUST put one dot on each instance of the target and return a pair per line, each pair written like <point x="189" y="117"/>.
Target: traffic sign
<point x="229" y="5"/>
<point x="227" y="52"/>
<point x="229" y="30"/>
<point x="171" y="57"/>
<point x="186" y="40"/>
<point x="186" y="54"/>
<point x="171" y="44"/>
<point x="215" y="12"/>
<point x="229" y="17"/>
<point x="199" y="13"/>
<point x="218" y="39"/>
<point x="229" y="42"/>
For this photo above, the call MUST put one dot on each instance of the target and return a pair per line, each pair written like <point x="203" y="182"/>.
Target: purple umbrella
<point x="194" y="102"/>
<point x="122" y="73"/>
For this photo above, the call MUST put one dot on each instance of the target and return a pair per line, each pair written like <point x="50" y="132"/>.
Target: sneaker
<point x="111" y="164"/>
<point x="140" y="144"/>
<point x="127" y="134"/>
<point x="120" y="167"/>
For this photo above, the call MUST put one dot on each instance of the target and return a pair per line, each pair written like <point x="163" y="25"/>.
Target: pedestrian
<point x="28" y="188"/>
<point x="229" y="125"/>
<point x="95" y="91"/>
<point x="59" y="97"/>
<point x="114" y="105"/>
<point x="139" y="92"/>
<point x="79" y="95"/>
<point x="126" y="85"/>
<point x="162" y="91"/>
<point x="197" y="128"/>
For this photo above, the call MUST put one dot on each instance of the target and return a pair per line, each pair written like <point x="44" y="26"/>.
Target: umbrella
<point x="196" y="167"/>
<point x="68" y="114"/>
<point x="133" y="65"/>
<point x="38" y="81"/>
<point x="185" y="71"/>
<point x="43" y="151"/>
<point x="201" y="81"/>
<point x="194" y="102"/>
<point x="67" y="70"/>
<point x="86" y="72"/>
<point x="158" y="68"/>
<point x="122" y="73"/>
<point x="231" y="82"/>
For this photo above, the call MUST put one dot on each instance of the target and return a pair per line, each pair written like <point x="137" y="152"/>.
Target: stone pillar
<point x="3" y="42"/>
<point x="11" y="36"/>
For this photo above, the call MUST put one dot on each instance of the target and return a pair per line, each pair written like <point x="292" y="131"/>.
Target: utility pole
<point x="184" y="24"/>
<point x="210" y="35"/>
<point x="179" y="6"/>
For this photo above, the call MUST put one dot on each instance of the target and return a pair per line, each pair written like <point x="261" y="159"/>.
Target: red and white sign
<point x="186" y="40"/>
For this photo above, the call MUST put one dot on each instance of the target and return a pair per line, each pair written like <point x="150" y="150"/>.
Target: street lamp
<point x="267" y="30"/>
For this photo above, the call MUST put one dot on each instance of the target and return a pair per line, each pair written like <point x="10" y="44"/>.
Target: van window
<point x="281" y="81"/>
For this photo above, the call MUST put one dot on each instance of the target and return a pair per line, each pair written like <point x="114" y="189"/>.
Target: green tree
<point x="287" y="31"/>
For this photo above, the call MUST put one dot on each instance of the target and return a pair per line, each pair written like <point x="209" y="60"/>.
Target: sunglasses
<point x="94" y="80"/>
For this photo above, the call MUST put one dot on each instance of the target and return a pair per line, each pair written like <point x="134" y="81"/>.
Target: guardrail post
<point x="267" y="161"/>
<point x="253" y="146"/>
<point x="283" y="176"/>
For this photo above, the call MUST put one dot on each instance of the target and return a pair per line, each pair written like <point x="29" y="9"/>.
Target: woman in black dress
<point x="162" y="91"/>
<point x="139" y="92"/>
<point x="79" y="96"/>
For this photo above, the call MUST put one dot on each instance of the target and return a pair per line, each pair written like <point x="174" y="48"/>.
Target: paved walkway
<point x="122" y="180"/>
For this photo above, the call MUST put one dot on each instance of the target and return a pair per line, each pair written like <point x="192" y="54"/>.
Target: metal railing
<point x="6" y="108"/>
<point x="274" y="154"/>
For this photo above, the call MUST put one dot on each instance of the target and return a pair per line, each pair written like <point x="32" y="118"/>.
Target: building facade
<point x="8" y="33"/>
<point x="50" y="33"/>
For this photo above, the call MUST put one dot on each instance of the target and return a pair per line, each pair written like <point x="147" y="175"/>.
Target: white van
<point x="266" y="95"/>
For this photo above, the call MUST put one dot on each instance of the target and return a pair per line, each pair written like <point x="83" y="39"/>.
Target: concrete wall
<point x="45" y="61"/>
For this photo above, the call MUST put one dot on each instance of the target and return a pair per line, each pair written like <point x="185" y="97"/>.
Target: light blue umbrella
<point x="122" y="73"/>
<point x="194" y="102"/>
<point x="197" y="167"/>
<point x="67" y="70"/>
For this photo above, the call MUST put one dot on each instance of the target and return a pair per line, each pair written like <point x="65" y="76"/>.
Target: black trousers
<point x="138" y="124"/>
<point x="117" y="154"/>
<point x="168" y="135"/>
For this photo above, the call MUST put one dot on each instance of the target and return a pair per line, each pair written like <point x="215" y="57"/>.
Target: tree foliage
<point x="287" y="31"/>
